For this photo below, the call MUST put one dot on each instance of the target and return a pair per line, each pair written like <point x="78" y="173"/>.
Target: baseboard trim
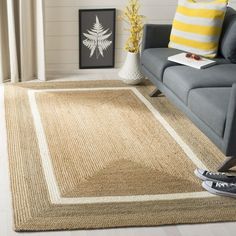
<point x="96" y="74"/>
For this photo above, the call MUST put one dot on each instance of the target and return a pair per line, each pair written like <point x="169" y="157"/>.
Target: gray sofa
<point x="208" y="96"/>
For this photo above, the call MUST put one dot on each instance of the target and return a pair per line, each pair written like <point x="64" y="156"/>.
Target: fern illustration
<point x="97" y="39"/>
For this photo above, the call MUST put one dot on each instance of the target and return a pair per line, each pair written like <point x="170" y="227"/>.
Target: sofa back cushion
<point x="197" y="26"/>
<point x="228" y="37"/>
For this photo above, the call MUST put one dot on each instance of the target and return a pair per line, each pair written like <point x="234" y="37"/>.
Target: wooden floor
<point x="221" y="229"/>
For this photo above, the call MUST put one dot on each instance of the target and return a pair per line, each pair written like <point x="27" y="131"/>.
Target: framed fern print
<point x="97" y="38"/>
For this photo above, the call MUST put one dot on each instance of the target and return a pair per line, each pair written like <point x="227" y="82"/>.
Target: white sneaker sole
<point x="201" y="177"/>
<point x="217" y="192"/>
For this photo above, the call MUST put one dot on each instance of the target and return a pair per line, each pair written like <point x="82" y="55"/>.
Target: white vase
<point x="130" y="71"/>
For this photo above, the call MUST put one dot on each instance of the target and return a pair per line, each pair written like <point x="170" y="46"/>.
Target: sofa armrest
<point x="156" y="36"/>
<point x="230" y="126"/>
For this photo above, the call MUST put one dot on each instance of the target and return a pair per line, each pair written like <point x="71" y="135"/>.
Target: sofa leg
<point x="229" y="163"/>
<point x="155" y="93"/>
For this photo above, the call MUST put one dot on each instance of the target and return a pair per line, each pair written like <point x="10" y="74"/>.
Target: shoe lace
<point x="225" y="185"/>
<point x="216" y="174"/>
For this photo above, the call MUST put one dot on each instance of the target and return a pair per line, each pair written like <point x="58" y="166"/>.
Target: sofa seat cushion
<point x="181" y="79"/>
<point x="211" y="106"/>
<point x="155" y="60"/>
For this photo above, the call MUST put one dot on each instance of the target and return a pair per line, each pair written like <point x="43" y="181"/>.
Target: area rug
<point x="87" y="155"/>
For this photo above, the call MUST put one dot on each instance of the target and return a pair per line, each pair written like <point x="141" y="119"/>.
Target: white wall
<point x="62" y="28"/>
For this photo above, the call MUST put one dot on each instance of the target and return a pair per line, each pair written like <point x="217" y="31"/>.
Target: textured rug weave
<point x="101" y="155"/>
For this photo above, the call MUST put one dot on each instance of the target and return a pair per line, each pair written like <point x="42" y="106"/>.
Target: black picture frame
<point x="103" y="56"/>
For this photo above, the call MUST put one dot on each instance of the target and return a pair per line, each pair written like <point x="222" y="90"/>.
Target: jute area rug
<point x="101" y="154"/>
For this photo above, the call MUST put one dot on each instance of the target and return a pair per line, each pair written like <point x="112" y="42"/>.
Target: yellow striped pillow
<point x="197" y="26"/>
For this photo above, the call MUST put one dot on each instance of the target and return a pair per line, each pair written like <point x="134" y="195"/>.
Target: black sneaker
<point x="217" y="177"/>
<point x="220" y="188"/>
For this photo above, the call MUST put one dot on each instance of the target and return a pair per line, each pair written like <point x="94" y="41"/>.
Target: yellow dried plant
<point x="135" y="21"/>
